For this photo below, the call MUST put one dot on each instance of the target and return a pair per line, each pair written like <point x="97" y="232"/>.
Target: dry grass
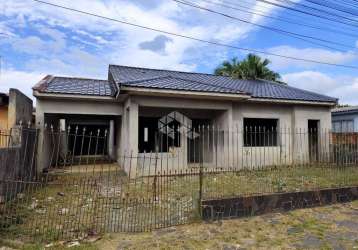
<point x="80" y="203"/>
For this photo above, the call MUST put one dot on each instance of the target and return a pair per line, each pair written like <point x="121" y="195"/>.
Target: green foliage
<point x="280" y="185"/>
<point x="252" y="67"/>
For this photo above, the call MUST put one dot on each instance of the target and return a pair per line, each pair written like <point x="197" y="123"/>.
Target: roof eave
<point x="41" y="95"/>
<point x="183" y="93"/>
<point x="348" y="112"/>
<point x="41" y="85"/>
<point x="290" y="101"/>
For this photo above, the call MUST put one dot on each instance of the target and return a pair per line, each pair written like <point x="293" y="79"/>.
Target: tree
<point x="252" y="67"/>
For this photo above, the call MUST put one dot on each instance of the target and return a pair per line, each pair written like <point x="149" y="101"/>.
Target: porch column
<point x="129" y="138"/>
<point x="42" y="157"/>
<point x="111" y="140"/>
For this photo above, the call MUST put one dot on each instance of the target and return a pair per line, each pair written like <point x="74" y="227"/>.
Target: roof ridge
<point x="212" y="85"/>
<point x="170" y="70"/>
<point x="80" y="78"/>
<point x="189" y="80"/>
<point x="147" y="79"/>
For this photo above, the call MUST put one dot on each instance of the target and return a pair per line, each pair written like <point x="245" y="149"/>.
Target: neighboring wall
<point x="17" y="162"/>
<point x="3" y="118"/>
<point x="345" y="117"/>
<point x="20" y="108"/>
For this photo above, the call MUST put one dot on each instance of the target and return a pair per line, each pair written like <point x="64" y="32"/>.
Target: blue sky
<point x="40" y="40"/>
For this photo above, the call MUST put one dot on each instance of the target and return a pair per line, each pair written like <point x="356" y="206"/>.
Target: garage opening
<point x="88" y="140"/>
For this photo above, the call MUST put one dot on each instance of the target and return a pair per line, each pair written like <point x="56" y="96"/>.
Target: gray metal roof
<point x="174" y="80"/>
<point x="345" y="110"/>
<point x="76" y="86"/>
<point x="166" y="79"/>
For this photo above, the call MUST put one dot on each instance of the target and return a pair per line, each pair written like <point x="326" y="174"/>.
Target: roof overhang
<point x="41" y="95"/>
<point x="346" y="112"/>
<point x="183" y="93"/>
<point x="285" y="101"/>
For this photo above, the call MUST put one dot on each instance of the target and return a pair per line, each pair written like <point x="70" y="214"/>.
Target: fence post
<point x="201" y="165"/>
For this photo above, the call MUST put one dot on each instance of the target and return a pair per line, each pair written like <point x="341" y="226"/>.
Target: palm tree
<point x="252" y="67"/>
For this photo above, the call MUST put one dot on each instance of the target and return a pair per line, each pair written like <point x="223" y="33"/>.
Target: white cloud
<point x="122" y="41"/>
<point x="21" y="80"/>
<point x="308" y="53"/>
<point x="310" y="80"/>
<point x="343" y="87"/>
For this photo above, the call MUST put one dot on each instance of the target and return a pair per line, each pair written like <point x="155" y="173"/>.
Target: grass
<point x="271" y="231"/>
<point x="278" y="180"/>
<point x="78" y="204"/>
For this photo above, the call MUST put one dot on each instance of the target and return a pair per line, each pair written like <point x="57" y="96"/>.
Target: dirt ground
<point x="330" y="227"/>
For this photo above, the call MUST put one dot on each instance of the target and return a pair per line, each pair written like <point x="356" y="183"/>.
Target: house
<point x="136" y="105"/>
<point x="15" y="108"/>
<point x="345" y="119"/>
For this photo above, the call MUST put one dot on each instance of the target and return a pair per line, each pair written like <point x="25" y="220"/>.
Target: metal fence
<point x="82" y="190"/>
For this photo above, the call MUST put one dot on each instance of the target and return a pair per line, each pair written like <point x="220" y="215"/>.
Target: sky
<point x="38" y="40"/>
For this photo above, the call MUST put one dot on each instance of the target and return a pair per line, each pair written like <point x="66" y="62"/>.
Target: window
<point x="260" y="132"/>
<point x="343" y="126"/>
<point x="148" y="130"/>
<point x="152" y="140"/>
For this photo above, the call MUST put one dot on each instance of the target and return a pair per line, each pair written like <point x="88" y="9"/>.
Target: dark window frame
<point x="261" y="132"/>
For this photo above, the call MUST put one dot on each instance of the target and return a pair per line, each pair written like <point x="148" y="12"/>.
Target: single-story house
<point x="15" y="108"/>
<point x="345" y="119"/>
<point x="136" y="104"/>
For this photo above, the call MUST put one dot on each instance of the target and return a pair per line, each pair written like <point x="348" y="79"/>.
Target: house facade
<point x="345" y="119"/>
<point x="137" y="106"/>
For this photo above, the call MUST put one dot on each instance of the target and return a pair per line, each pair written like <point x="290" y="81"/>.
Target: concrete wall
<point x="229" y="150"/>
<point x="293" y="141"/>
<point x="47" y="107"/>
<point x="301" y="115"/>
<point x="20" y="108"/>
<point x="226" y="115"/>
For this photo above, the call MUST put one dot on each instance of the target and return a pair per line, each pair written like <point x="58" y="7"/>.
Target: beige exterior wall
<point x="293" y="145"/>
<point x="301" y="115"/>
<point x="226" y="115"/>
<point x="69" y="106"/>
<point x="3" y="117"/>
<point x="258" y="156"/>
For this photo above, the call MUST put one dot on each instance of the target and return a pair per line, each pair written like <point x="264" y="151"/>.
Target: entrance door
<point x="313" y="144"/>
